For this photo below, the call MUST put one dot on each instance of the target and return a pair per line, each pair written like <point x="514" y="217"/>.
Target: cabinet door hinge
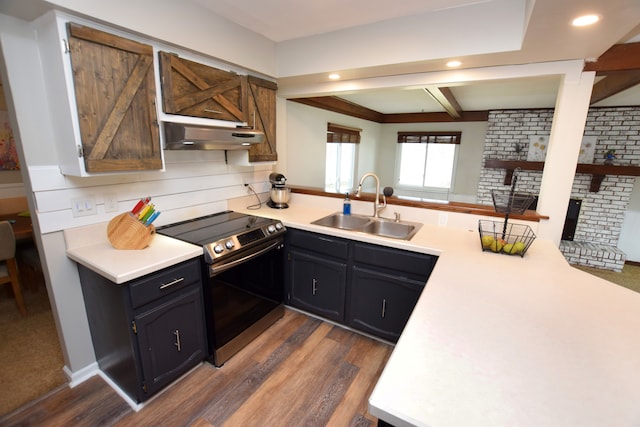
<point x="80" y="151"/>
<point x="144" y="386"/>
<point x="134" y="328"/>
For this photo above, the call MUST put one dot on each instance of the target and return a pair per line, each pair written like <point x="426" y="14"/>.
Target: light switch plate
<point x="83" y="206"/>
<point x="110" y="202"/>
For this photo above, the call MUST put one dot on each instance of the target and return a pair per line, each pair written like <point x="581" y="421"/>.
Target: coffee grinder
<point x="279" y="192"/>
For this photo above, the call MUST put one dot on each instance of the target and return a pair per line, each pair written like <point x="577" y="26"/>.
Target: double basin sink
<point x="383" y="227"/>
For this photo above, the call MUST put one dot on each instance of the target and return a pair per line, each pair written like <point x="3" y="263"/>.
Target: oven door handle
<point x="226" y="266"/>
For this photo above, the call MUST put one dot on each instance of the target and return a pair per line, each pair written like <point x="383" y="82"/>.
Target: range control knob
<point x="271" y="229"/>
<point x="218" y="248"/>
<point x="279" y="226"/>
<point x="229" y="244"/>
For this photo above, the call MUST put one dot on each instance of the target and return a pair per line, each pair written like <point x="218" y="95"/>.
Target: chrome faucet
<point x="377" y="207"/>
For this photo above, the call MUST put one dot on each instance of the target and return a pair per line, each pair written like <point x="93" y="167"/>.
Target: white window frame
<point x="420" y="188"/>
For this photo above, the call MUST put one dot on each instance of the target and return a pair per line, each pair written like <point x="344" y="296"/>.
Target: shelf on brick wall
<point x="598" y="172"/>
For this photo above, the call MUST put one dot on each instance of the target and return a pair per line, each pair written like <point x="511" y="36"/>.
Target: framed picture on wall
<point x="537" y="148"/>
<point x="8" y="153"/>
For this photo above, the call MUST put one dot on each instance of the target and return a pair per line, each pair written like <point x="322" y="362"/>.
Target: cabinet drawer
<point x="411" y="264"/>
<point x="319" y="243"/>
<point x="164" y="282"/>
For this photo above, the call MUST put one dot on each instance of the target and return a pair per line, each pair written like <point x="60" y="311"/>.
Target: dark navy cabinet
<point x="317" y="273"/>
<point x="367" y="287"/>
<point x="149" y="331"/>
<point x="384" y="288"/>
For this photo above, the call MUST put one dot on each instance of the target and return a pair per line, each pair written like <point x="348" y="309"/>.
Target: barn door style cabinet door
<point x="262" y="116"/>
<point x="197" y="90"/>
<point x="101" y="97"/>
<point x="115" y="97"/>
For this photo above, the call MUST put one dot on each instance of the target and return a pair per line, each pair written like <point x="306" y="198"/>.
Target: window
<point x="427" y="160"/>
<point x="341" y="157"/>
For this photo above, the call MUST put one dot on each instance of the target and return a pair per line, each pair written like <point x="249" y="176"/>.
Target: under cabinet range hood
<point x="181" y="136"/>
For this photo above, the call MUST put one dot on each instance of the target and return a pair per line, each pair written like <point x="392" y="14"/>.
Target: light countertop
<point x="501" y="340"/>
<point x="90" y="247"/>
<point x="493" y="340"/>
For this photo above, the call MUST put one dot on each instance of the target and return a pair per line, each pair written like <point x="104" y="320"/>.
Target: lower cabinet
<point x="317" y="284"/>
<point x="380" y="304"/>
<point x="368" y="287"/>
<point x="149" y="331"/>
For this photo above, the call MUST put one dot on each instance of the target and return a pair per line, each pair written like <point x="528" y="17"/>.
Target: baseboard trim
<point x="78" y="377"/>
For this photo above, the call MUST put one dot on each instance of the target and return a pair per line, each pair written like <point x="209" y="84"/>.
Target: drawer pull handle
<point x="314" y="287"/>
<point x="177" y="343"/>
<point x="171" y="283"/>
<point x="384" y="307"/>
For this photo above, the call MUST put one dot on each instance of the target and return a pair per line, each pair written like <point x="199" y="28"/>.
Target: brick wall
<point x="602" y="213"/>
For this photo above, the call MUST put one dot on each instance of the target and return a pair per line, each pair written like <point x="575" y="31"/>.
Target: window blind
<point x="429" y="137"/>
<point x="344" y="134"/>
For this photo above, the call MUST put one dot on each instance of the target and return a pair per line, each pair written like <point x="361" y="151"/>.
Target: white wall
<point x="306" y="128"/>
<point x="469" y="162"/>
<point x="307" y="139"/>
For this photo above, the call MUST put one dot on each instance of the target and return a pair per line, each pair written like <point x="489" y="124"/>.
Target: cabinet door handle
<point x="171" y="283"/>
<point x="208" y="110"/>
<point x="314" y="287"/>
<point x="384" y="307"/>
<point x="177" y="343"/>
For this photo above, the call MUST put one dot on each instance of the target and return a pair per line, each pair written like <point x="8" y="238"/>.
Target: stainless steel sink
<point x="383" y="227"/>
<point x="343" y="222"/>
<point x="389" y="228"/>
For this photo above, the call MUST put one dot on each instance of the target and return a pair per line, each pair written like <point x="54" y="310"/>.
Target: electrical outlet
<point x="83" y="206"/>
<point x="110" y="202"/>
<point x="442" y="219"/>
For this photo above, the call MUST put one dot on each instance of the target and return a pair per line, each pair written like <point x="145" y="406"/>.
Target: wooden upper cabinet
<point x="262" y="115"/>
<point x="198" y="90"/>
<point x="114" y="87"/>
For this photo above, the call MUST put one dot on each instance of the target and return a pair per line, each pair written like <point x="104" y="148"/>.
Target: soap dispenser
<point x="346" y="206"/>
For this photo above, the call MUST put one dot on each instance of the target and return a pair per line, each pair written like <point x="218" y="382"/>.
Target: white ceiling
<point x="539" y="30"/>
<point x="547" y="36"/>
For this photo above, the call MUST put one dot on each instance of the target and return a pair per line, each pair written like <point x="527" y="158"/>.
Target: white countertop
<point x="90" y="247"/>
<point x="499" y="340"/>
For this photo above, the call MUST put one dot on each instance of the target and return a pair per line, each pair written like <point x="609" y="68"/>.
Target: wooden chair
<point x="8" y="264"/>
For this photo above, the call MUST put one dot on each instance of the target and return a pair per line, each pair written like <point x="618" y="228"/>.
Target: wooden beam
<point x="614" y="82"/>
<point x="620" y="57"/>
<point x="339" y="105"/>
<point x="444" y="97"/>
<point x="466" y="116"/>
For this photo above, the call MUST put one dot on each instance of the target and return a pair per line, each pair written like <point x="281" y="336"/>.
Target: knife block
<point x="126" y="232"/>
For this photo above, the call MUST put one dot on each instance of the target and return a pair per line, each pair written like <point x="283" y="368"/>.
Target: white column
<point x="572" y="106"/>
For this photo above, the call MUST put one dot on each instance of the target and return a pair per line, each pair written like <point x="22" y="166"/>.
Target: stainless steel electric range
<point x="243" y="269"/>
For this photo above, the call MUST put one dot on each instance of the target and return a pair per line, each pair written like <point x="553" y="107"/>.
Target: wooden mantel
<point x="598" y="172"/>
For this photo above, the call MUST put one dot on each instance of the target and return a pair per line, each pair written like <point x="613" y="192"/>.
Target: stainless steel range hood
<point x="181" y="136"/>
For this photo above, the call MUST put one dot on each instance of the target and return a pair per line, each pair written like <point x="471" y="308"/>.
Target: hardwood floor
<point x="300" y="372"/>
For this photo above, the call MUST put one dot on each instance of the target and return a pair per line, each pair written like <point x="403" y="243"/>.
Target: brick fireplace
<point x="601" y="213"/>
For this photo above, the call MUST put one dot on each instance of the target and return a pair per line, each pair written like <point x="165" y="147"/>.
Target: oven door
<point x="244" y="296"/>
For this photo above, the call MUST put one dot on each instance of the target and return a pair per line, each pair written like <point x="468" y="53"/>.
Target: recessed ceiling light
<point x="454" y="64"/>
<point x="584" y="20"/>
<point x="334" y="76"/>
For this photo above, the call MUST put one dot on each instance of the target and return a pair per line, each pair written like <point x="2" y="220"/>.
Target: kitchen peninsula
<point x="501" y="340"/>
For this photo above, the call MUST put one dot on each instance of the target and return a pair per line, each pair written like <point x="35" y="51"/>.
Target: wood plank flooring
<point x="300" y="372"/>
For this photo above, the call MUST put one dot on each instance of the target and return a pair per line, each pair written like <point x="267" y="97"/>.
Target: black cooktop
<point x="211" y="228"/>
